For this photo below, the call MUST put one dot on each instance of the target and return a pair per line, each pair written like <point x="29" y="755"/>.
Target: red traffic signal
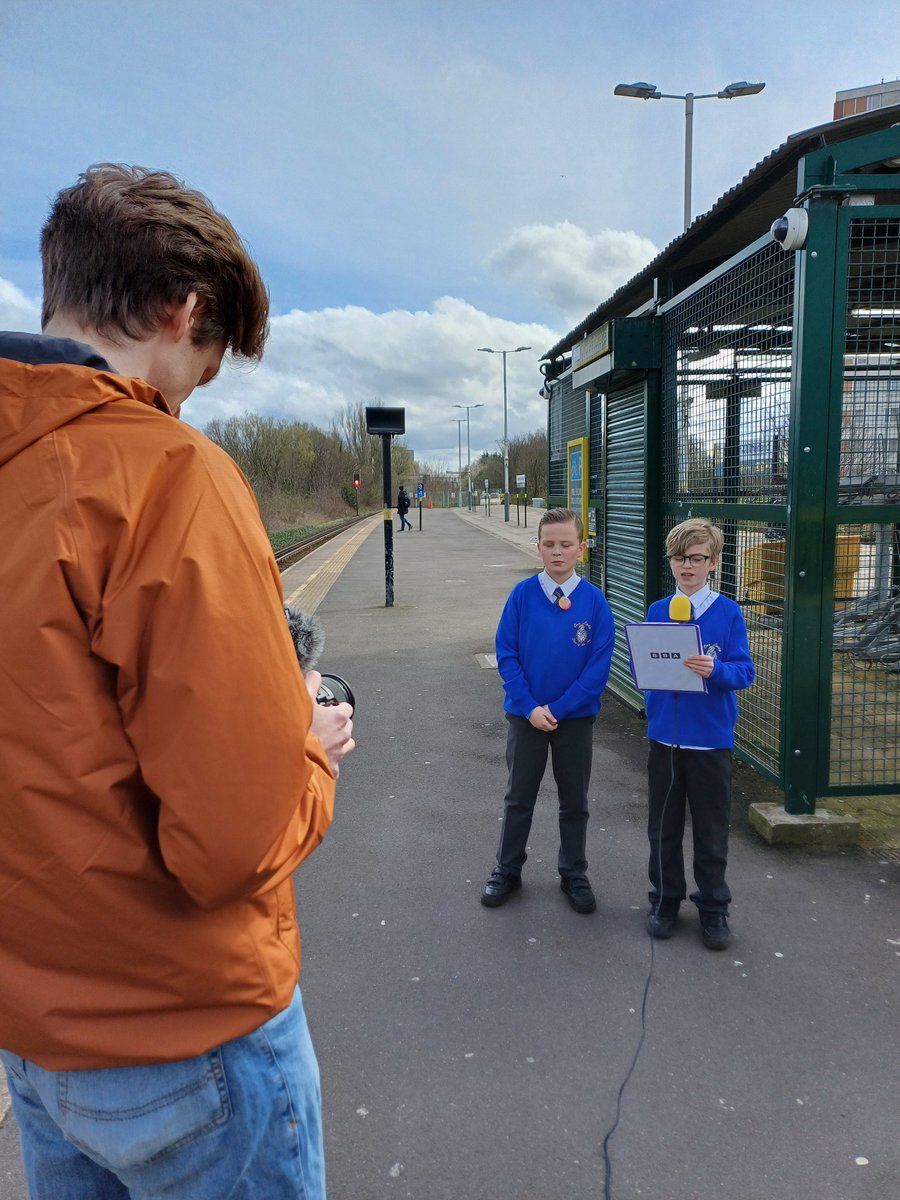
<point x="356" y="479"/>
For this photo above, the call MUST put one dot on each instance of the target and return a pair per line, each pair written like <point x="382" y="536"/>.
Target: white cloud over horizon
<point x="18" y="311"/>
<point x="427" y="361"/>
<point x="569" y="267"/>
<point x="318" y="361"/>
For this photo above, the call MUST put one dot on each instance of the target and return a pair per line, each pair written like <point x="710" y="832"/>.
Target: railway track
<point x="290" y="554"/>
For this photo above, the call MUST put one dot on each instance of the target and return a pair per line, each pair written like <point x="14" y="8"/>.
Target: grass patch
<point x="285" y="537"/>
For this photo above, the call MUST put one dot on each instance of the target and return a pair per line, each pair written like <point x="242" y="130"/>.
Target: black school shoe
<point x="661" y="922"/>
<point x="579" y="894"/>
<point x="499" y="888"/>
<point x="714" y="930"/>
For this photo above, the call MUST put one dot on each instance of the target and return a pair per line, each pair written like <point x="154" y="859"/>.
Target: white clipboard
<point x="656" y="653"/>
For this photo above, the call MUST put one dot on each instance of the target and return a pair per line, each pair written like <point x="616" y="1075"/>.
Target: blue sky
<point x="416" y="178"/>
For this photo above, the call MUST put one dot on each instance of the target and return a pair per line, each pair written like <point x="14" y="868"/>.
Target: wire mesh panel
<point x="865" y="676"/>
<point x="865" y="681"/>
<point x="727" y="376"/>
<point x="870" y="413"/>
<point x="754" y="577"/>
<point x="725" y="433"/>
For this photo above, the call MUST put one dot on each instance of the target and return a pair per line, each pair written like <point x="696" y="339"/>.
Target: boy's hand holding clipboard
<point x="668" y="657"/>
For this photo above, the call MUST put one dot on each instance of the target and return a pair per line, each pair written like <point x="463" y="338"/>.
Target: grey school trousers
<point x="570" y="747"/>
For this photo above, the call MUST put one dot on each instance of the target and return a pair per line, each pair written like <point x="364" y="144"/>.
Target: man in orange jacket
<point x="163" y="768"/>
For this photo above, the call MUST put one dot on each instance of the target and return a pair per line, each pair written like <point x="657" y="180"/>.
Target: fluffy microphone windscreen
<point x="308" y="637"/>
<point x="679" y="608"/>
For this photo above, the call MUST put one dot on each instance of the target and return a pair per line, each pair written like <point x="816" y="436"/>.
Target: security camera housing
<point x="790" y="230"/>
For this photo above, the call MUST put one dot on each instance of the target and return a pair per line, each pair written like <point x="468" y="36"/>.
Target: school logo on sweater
<point x="713" y="650"/>
<point x="582" y="633"/>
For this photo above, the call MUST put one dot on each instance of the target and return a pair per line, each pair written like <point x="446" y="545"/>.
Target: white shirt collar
<point x="550" y="585"/>
<point x="701" y="600"/>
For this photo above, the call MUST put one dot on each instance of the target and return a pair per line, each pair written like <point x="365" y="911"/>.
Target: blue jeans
<point x="241" y="1122"/>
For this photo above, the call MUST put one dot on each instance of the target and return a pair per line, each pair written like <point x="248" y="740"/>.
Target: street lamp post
<point x="459" y="424"/>
<point x="518" y="350"/>
<point x="649" y="91"/>
<point x="468" y="408"/>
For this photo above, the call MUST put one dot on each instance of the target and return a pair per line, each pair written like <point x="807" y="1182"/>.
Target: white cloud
<point x="569" y="267"/>
<point x="425" y="362"/>
<point x="17" y="312"/>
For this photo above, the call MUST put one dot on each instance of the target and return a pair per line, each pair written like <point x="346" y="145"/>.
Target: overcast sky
<point x="416" y="178"/>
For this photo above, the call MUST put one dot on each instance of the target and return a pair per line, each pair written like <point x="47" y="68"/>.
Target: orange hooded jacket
<point x="159" y="781"/>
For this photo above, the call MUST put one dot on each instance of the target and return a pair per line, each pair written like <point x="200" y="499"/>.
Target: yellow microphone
<point x="680" y="608"/>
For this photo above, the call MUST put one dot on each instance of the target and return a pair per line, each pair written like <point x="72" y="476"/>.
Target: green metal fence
<point x="773" y="411"/>
<point x="864" y="510"/>
<point x="726" y="398"/>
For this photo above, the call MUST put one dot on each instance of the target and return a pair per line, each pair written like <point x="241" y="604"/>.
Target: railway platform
<point x="477" y="1054"/>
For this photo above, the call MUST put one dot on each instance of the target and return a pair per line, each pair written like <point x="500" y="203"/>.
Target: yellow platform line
<point x="310" y="594"/>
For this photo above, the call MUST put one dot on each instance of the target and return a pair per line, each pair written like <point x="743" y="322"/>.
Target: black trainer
<point x="499" y="888"/>
<point x="661" y="922"/>
<point x="714" y="930"/>
<point x="578" y="892"/>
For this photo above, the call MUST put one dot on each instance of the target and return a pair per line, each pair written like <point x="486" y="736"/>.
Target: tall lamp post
<point x="458" y="422"/>
<point x="649" y="91"/>
<point x="468" y="408"/>
<point x="518" y="350"/>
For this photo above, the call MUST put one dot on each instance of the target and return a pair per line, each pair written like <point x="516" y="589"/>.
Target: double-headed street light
<point x="518" y="350"/>
<point x="649" y="91"/>
<point x="468" y="408"/>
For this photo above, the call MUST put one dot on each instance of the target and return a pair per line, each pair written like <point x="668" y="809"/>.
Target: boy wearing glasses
<point x="691" y="740"/>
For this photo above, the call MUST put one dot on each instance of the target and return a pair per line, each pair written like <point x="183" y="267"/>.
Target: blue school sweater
<point x="554" y="656"/>
<point x="705" y="719"/>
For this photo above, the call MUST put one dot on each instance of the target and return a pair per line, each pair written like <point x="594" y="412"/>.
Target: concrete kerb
<point x="822" y="828"/>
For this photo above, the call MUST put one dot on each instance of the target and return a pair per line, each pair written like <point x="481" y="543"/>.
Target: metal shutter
<point x="625" y="525"/>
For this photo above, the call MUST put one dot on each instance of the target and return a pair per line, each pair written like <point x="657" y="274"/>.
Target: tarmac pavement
<point x="476" y="1054"/>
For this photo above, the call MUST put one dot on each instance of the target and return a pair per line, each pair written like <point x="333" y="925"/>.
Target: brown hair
<point x="557" y="516"/>
<point x="690" y="532"/>
<point x="125" y="243"/>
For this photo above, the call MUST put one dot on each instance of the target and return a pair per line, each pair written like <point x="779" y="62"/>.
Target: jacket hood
<point x="46" y="382"/>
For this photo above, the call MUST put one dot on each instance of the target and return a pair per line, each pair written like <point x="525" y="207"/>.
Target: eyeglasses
<point x="696" y="560"/>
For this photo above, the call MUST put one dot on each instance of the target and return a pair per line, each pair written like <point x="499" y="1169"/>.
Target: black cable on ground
<point x="607" y="1164"/>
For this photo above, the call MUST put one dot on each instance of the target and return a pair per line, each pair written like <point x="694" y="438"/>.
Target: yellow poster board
<point x="577" y="479"/>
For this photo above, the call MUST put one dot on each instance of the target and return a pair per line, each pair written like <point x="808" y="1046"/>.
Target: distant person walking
<point x="403" y="509"/>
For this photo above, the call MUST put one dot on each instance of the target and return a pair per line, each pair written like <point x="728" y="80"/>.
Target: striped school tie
<point x="557" y="595"/>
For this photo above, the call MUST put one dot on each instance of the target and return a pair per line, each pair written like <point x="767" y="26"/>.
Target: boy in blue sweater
<point x="554" y="646"/>
<point x="691" y="739"/>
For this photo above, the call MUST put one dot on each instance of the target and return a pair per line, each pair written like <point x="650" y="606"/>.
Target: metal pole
<point x="688" y="154"/>
<point x="468" y="462"/>
<point x="505" y="446"/>
<point x="459" y="472"/>
<point x="388" y="522"/>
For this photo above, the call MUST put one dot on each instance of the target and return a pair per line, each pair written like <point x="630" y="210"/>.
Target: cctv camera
<point x="789" y="231"/>
<point x="545" y="393"/>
